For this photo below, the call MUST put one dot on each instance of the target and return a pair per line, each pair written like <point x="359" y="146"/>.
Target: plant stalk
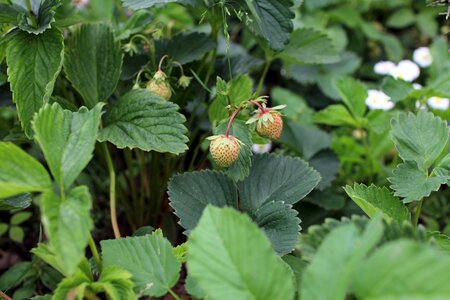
<point x="417" y="212"/>
<point x="173" y="294"/>
<point x="263" y="75"/>
<point x="112" y="191"/>
<point x="94" y="251"/>
<point x="4" y="296"/>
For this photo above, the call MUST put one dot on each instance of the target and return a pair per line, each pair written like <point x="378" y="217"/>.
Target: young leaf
<point x="139" y="119"/>
<point x="240" y="169"/>
<point x="190" y="193"/>
<point x="353" y="93"/>
<point x="116" y="283"/>
<point x="75" y="284"/>
<point x="149" y="259"/>
<point x="344" y="249"/>
<point x="93" y="62"/>
<point x="309" y="46"/>
<point x="373" y="200"/>
<point x="34" y="62"/>
<point x="20" y="217"/>
<point x="271" y="19"/>
<point x="335" y="115"/>
<point x="20" y="172"/>
<point x="404" y="270"/>
<point x="67" y="139"/>
<point x="413" y="184"/>
<point x="420" y="138"/>
<point x="67" y="224"/>
<point x="16" y="234"/>
<point x="276" y="178"/>
<point x="222" y="259"/>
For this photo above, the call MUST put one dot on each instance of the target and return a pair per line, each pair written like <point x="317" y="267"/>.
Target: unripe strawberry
<point x="272" y="128"/>
<point x="159" y="86"/>
<point x="224" y="150"/>
<point x="269" y="123"/>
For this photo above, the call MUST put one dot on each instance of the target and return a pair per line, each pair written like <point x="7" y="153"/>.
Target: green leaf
<point x="335" y="115"/>
<point x="76" y="284"/>
<point x="93" y="62"/>
<point x="222" y="259"/>
<point x="276" y="178"/>
<point x="15" y="275"/>
<point x="306" y="140"/>
<point x="374" y="200"/>
<point x="3" y="228"/>
<point x="401" y="18"/>
<point x="139" y="119"/>
<point x="116" y="283"/>
<point x="241" y="168"/>
<point x="413" y="184"/>
<point x="8" y="14"/>
<point x="42" y="12"/>
<point x="43" y="252"/>
<point x="136" y="23"/>
<point x="34" y="62"/>
<point x="343" y="249"/>
<point x="149" y="259"/>
<point x="404" y="270"/>
<point x="298" y="110"/>
<point x="67" y="223"/>
<point x="190" y="193"/>
<point x="138" y="4"/>
<point x="420" y="138"/>
<point x="185" y="47"/>
<point x="280" y="223"/>
<point x="396" y="89"/>
<point x="20" y="217"/>
<point x="20" y="172"/>
<point x="15" y="202"/>
<point x="271" y="19"/>
<point x="327" y="163"/>
<point x="67" y="139"/>
<point x="353" y="93"/>
<point x="16" y="234"/>
<point x="309" y="46"/>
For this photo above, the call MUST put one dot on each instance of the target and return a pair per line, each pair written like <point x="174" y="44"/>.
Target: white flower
<point x="80" y="4"/>
<point x="417" y="86"/>
<point x="406" y="70"/>
<point x="384" y="67"/>
<point x="261" y="148"/>
<point x="422" y="56"/>
<point x="379" y="100"/>
<point x="439" y="103"/>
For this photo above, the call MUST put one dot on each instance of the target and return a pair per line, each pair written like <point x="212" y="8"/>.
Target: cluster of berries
<point x="225" y="148"/>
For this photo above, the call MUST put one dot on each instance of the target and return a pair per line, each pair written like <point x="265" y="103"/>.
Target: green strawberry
<point x="224" y="150"/>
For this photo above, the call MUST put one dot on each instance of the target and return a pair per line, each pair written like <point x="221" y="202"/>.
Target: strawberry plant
<point x="215" y="149"/>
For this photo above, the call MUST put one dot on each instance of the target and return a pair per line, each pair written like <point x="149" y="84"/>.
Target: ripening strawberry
<point x="159" y="85"/>
<point x="269" y="123"/>
<point x="224" y="150"/>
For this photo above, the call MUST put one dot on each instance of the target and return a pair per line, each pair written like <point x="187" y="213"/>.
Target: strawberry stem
<point x="231" y="120"/>
<point x="261" y="108"/>
<point x="161" y="61"/>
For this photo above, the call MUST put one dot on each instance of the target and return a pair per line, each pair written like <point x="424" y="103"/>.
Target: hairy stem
<point x="263" y="75"/>
<point x="112" y="191"/>
<point x="231" y="120"/>
<point x="4" y="296"/>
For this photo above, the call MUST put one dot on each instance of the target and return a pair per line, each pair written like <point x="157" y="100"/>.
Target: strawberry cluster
<point x="269" y="124"/>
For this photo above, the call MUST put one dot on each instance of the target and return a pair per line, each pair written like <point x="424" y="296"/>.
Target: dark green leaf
<point x="412" y="184"/>
<point x="15" y="202"/>
<point x="271" y="19"/>
<point x="15" y="275"/>
<point x="92" y="62"/>
<point x="190" y="193"/>
<point x="43" y="14"/>
<point x="307" y="45"/>
<point x="138" y="4"/>
<point x="353" y="93"/>
<point x="335" y="115"/>
<point x="139" y="119"/>
<point x="185" y="47"/>
<point x="276" y="178"/>
<point x="34" y="62"/>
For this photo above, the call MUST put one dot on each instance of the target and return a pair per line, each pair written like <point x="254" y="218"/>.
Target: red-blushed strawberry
<point x="269" y="123"/>
<point x="272" y="128"/>
<point x="224" y="150"/>
<point x="159" y="85"/>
